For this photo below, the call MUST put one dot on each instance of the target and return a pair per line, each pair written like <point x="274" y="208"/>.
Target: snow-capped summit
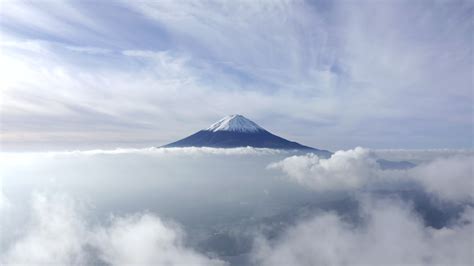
<point x="235" y="123"/>
<point x="237" y="131"/>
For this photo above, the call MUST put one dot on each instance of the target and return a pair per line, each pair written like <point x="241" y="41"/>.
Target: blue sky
<point x="334" y="75"/>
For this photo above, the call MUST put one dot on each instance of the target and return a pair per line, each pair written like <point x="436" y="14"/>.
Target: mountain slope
<point x="237" y="131"/>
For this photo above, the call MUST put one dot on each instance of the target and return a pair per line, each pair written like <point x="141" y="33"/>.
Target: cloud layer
<point x="175" y="207"/>
<point x="343" y="170"/>
<point x="391" y="234"/>
<point x="59" y="234"/>
<point x="449" y="178"/>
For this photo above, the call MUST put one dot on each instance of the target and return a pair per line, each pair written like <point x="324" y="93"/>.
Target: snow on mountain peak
<point x="235" y="123"/>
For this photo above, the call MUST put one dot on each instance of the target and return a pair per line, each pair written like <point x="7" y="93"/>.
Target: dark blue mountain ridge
<point x="237" y="131"/>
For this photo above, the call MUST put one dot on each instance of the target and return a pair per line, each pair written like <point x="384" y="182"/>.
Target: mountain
<point x="237" y="131"/>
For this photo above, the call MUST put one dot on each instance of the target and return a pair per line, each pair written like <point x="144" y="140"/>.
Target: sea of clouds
<point x="243" y="206"/>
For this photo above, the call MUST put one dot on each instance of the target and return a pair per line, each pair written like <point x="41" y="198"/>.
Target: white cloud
<point x="446" y="175"/>
<point x="60" y="230"/>
<point x="89" y="50"/>
<point x="55" y="18"/>
<point x="450" y="178"/>
<point x="350" y="169"/>
<point x="189" y="151"/>
<point x="25" y="157"/>
<point x="4" y="202"/>
<point x="390" y="234"/>
<point x="145" y="239"/>
<point x="58" y="233"/>
<point x="247" y="36"/>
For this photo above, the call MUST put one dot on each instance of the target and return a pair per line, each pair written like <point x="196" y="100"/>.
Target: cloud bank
<point x="58" y="233"/>
<point x="343" y="170"/>
<point x="145" y="239"/>
<point x="391" y="234"/>
<point x="449" y="178"/>
<point x="175" y="207"/>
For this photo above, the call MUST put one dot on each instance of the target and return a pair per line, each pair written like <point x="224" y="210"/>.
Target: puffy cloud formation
<point x="391" y="233"/>
<point x="450" y="178"/>
<point x="344" y="170"/>
<point x="56" y="235"/>
<point x="146" y="240"/>
<point x="59" y="234"/>
<point x="447" y="177"/>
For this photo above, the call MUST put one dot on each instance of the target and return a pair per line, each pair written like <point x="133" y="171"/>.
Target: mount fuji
<point x="237" y="131"/>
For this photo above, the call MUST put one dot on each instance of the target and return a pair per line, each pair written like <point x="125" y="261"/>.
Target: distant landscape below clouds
<point x="173" y="206"/>
<point x="329" y="74"/>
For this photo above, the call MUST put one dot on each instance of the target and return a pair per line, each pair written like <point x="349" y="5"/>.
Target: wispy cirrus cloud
<point x="307" y="70"/>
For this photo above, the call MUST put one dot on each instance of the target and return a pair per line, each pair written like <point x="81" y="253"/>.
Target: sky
<point x="329" y="74"/>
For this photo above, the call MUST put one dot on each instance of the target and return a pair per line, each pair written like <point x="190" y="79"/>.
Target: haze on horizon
<point x="331" y="75"/>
